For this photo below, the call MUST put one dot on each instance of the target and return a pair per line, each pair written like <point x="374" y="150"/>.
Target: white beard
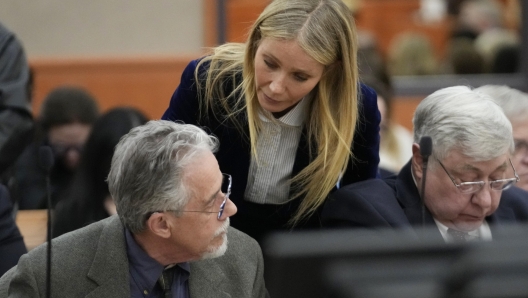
<point x="215" y="252"/>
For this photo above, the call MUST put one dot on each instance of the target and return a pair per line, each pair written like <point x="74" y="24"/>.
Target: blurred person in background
<point x="479" y="16"/>
<point x="462" y="58"/>
<point x="65" y="121"/>
<point x="395" y="140"/>
<point x="514" y="103"/>
<point x="411" y="54"/>
<point x="16" y="129"/>
<point x="88" y="199"/>
<point x="482" y="39"/>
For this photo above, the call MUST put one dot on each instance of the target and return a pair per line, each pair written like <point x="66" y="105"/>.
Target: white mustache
<point x="223" y="228"/>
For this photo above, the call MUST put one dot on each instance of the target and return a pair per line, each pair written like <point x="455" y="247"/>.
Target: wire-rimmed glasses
<point x="471" y="187"/>
<point x="225" y="189"/>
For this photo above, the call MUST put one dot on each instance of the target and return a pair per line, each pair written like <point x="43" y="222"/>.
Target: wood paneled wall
<point x="144" y="83"/>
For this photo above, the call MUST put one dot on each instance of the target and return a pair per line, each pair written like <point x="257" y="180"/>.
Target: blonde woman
<point x="292" y="119"/>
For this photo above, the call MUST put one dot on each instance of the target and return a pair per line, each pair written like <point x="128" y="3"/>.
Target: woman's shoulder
<point x="367" y="94"/>
<point x="193" y="64"/>
<point x="367" y="100"/>
<point x="203" y="64"/>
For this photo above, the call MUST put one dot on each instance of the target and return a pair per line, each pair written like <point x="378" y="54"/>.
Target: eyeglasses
<point x="471" y="187"/>
<point x="521" y="147"/>
<point x="225" y="189"/>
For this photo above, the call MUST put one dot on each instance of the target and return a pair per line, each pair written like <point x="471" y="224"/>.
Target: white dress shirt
<point x="482" y="233"/>
<point x="269" y="176"/>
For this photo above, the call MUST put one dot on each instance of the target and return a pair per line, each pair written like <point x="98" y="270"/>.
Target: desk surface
<point x="32" y="225"/>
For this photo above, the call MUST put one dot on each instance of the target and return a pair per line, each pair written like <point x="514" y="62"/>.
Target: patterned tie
<point x="458" y="236"/>
<point x="165" y="281"/>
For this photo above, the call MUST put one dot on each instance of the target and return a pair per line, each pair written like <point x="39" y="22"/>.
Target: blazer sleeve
<point x="365" y="204"/>
<point x="184" y="104"/>
<point x="365" y="147"/>
<point x="11" y="241"/>
<point x="21" y="281"/>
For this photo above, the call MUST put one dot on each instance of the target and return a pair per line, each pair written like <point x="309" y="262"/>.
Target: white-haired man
<point x="469" y="175"/>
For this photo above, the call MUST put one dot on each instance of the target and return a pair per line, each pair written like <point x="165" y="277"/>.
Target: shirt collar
<point x="146" y="268"/>
<point x="295" y="117"/>
<point x="483" y="232"/>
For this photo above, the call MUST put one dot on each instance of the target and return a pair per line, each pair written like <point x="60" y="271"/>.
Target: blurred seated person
<point x="478" y="16"/>
<point x="507" y="59"/>
<point x="171" y="235"/>
<point x="411" y="54"/>
<point x="88" y="199"/>
<point x="469" y="175"/>
<point x="16" y="120"/>
<point x="514" y="103"/>
<point x="490" y="43"/>
<point x="480" y="41"/>
<point x="65" y="121"/>
<point x="16" y="125"/>
<point x="463" y="58"/>
<point x="395" y="140"/>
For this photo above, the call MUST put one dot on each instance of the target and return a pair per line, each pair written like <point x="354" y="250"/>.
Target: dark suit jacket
<point x="11" y="242"/>
<point x="92" y="262"/>
<point x="234" y="155"/>
<point x="395" y="202"/>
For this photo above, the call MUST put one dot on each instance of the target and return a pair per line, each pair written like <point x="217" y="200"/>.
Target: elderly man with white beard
<point x="171" y="237"/>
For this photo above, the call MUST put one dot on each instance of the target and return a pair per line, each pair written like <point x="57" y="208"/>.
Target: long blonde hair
<point x="326" y="31"/>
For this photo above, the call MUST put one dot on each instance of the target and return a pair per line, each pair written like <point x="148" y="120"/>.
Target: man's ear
<point x="159" y="224"/>
<point x="416" y="162"/>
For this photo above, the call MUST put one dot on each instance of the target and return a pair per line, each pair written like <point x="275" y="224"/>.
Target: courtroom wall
<point x="74" y="28"/>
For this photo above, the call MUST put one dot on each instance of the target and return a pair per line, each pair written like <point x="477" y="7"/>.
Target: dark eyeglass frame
<point x="507" y="183"/>
<point x="222" y="206"/>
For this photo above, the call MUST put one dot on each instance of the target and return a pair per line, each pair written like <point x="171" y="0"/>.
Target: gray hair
<point x="463" y="119"/>
<point x="513" y="102"/>
<point x="148" y="169"/>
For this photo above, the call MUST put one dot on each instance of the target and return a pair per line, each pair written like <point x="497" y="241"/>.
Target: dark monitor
<point x="497" y="269"/>
<point x="395" y="263"/>
<point x="358" y="263"/>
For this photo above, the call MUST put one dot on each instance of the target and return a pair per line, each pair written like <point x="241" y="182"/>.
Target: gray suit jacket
<point x="92" y="262"/>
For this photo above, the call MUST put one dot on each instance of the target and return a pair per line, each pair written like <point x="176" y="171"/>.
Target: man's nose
<point x="483" y="197"/>
<point x="230" y="209"/>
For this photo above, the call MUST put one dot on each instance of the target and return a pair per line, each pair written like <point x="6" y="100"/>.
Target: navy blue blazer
<point x="395" y="202"/>
<point x="234" y="155"/>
